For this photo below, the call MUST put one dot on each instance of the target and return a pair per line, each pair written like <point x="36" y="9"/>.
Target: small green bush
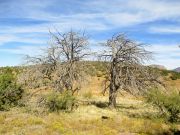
<point x="10" y="92"/>
<point x="173" y="107"/>
<point x="60" y="102"/>
<point x="165" y="72"/>
<point x="175" y="76"/>
<point x="169" y="105"/>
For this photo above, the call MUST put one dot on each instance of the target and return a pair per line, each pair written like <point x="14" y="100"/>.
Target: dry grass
<point x="86" y="120"/>
<point x="132" y="117"/>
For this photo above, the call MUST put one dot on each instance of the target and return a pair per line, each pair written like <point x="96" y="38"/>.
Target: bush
<point x="164" y="72"/>
<point x="60" y="102"/>
<point x="175" y="76"/>
<point x="10" y="92"/>
<point x="169" y="105"/>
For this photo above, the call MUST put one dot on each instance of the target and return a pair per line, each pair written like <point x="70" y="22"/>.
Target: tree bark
<point x="112" y="88"/>
<point x="112" y="97"/>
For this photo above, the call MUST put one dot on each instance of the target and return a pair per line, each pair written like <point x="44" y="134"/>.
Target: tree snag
<point x="126" y="71"/>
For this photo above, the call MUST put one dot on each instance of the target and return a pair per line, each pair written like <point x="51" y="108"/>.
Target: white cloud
<point x="96" y="15"/>
<point x="131" y="12"/>
<point x="24" y="50"/>
<point x="91" y="15"/>
<point x="6" y="38"/>
<point x="24" y="29"/>
<point x="165" y="30"/>
<point x="165" y="54"/>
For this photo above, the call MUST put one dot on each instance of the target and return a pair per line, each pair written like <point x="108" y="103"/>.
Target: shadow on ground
<point x="129" y="110"/>
<point x="100" y="104"/>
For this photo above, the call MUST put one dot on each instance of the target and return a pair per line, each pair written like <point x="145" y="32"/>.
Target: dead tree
<point x="47" y="62"/>
<point x="61" y="61"/>
<point x="126" y="71"/>
<point x="73" y="48"/>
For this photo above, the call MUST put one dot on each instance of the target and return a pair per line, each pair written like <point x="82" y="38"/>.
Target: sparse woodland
<point x="61" y="91"/>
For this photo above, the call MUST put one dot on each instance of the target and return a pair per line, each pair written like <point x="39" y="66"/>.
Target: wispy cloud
<point x="165" y="30"/>
<point x="94" y="15"/>
<point x="165" y="54"/>
<point x="24" y="50"/>
<point x="14" y="38"/>
<point x="28" y="21"/>
<point x="116" y="13"/>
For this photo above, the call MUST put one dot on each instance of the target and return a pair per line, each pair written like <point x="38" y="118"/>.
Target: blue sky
<point x="24" y="25"/>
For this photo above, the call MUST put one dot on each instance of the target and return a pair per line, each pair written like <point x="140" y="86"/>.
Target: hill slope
<point x="177" y="69"/>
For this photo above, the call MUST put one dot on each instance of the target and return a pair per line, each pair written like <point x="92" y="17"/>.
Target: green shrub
<point x="165" y="72"/>
<point x="60" y="102"/>
<point x="175" y="76"/>
<point x="173" y="106"/>
<point x="169" y="105"/>
<point x="10" y="92"/>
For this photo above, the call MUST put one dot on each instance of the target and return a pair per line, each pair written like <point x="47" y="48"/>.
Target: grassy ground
<point x="132" y="117"/>
<point x="129" y="118"/>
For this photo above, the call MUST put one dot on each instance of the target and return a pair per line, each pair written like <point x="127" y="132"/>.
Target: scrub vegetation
<point x="61" y="92"/>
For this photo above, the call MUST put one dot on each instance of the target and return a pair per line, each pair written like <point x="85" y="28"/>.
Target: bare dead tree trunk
<point x="112" y="96"/>
<point x="112" y="88"/>
<point x="126" y="70"/>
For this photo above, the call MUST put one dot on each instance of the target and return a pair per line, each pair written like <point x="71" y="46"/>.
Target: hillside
<point x="177" y="69"/>
<point x="133" y="116"/>
<point x="161" y="67"/>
